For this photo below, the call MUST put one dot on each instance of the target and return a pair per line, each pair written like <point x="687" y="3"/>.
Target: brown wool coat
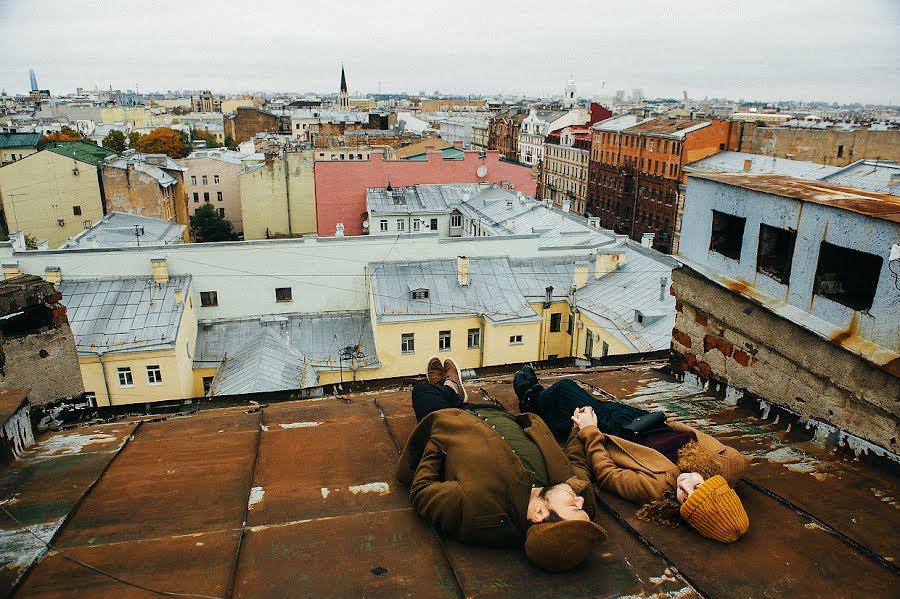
<point x="641" y="474"/>
<point x="465" y="479"/>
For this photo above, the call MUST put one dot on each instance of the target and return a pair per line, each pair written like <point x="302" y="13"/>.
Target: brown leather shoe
<point x="452" y="373"/>
<point x="435" y="372"/>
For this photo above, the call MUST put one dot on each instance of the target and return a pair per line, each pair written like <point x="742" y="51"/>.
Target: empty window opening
<point x="209" y="298"/>
<point x="846" y="276"/>
<point x="283" y="294"/>
<point x="25" y="322"/>
<point x="727" y="234"/>
<point x="76" y="210"/>
<point x="444" y="340"/>
<point x="776" y="251"/>
<point x="556" y="322"/>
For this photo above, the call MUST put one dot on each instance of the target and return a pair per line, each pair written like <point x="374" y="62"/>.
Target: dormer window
<point x="420" y="294"/>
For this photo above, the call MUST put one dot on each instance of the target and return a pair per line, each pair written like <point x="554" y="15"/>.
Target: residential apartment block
<point x="212" y="178"/>
<point x="206" y="102"/>
<point x="503" y="134"/>
<point x="56" y="193"/>
<point x="16" y="146"/>
<point x="564" y="168"/>
<point x="635" y="178"/>
<point x="278" y="196"/>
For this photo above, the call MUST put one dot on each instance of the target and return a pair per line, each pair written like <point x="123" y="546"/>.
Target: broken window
<point x="727" y="234"/>
<point x="154" y="375"/>
<point x="283" y="294"/>
<point x="556" y="322"/>
<point x="444" y="340"/>
<point x="846" y="276"/>
<point x="209" y="298"/>
<point x="207" y="384"/>
<point x="408" y="343"/>
<point x="776" y="251"/>
<point x="125" y="379"/>
<point x="25" y="322"/>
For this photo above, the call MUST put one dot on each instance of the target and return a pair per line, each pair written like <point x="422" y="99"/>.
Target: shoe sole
<point x="428" y="375"/>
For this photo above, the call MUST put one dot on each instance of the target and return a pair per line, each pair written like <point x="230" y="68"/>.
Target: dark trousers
<point x="427" y="398"/>
<point x="556" y="404"/>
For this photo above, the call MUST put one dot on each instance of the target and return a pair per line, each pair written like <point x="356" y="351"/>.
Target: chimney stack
<point x="647" y="239"/>
<point x="748" y="164"/>
<point x="581" y="275"/>
<point x="160" y="268"/>
<point x="462" y="270"/>
<point x="53" y="274"/>
<point x="663" y="281"/>
<point x="608" y="261"/>
<point x="566" y="205"/>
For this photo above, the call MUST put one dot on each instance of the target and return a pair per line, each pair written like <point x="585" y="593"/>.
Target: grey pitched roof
<point x="873" y="175"/>
<point x="116" y="229"/>
<point x="124" y="314"/>
<point x="492" y="291"/>
<point x="734" y="162"/>
<point x="273" y="353"/>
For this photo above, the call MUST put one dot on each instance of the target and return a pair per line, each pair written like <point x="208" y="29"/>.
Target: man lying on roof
<point x="677" y="472"/>
<point x="486" y="477"/>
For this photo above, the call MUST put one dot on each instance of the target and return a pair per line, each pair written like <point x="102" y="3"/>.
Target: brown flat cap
<point x="561" y="546"/>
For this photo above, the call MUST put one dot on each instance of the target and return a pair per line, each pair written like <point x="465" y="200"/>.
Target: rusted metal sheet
<point x="42" y="487"/>
<point x="782" y="555"/>
<point x="621" y="567"/>
<point x="377" y="554"/>
<point x="169" y="486"/>
<point x="870" y="203"/>
<point x="200" y="563"/>
<point x="202" y="422"/>
<point x="324" y="458"/>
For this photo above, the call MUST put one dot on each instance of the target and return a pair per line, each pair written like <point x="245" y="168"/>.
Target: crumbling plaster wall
<point x="722" y="336"/>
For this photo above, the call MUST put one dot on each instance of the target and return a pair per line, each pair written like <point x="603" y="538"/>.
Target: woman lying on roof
<point x="676" y="472"/>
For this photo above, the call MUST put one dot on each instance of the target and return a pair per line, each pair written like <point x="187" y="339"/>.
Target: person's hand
<point x="584" y="417"/>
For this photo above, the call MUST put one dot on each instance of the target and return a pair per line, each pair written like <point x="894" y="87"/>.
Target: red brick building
<point x="341" y="186"/>
<point x="247" y="121"/>
<point x="635" y="179"/>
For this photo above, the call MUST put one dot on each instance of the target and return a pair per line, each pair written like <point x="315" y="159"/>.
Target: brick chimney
<point x="462" y="270"/>
<point x="53" y="274"/>
<point x="748" y="164"/>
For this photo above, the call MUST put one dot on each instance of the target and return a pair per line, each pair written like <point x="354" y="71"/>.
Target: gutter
<point x="105" y="379"/>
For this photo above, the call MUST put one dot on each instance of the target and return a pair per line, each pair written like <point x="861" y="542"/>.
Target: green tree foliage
<point x="207" y="136"/>
<point x="115" y="141"/>
<point x="134" y="139"/>
<point x="207" y="225"/>
<point x="186" y="143"/>
<point x="30" y="242"/>
<point x="230" y="143"/>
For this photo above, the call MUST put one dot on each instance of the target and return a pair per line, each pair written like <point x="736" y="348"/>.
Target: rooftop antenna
<point x="138" y="231"/>
<point x="389" y="188"/>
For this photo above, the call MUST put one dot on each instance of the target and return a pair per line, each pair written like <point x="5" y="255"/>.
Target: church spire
<point x="343" y="96"/>
<point x="343" y="80"/>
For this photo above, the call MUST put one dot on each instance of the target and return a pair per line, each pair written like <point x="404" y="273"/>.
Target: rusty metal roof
<point x="869" y="203"/>
<point x="665" y="127"/>
<point x="298" y="499"/>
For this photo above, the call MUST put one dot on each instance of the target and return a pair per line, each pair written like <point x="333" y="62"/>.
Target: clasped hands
<point x="583" y="417"/>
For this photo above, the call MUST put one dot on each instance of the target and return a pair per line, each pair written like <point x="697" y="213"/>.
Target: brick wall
<point x="247" y="122"/>
<point x="822" y="146"/>
<point x="722" y="336"/>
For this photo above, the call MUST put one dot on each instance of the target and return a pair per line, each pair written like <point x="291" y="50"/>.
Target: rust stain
<point x="842" y="337"/>
<point x="738" y="286"/>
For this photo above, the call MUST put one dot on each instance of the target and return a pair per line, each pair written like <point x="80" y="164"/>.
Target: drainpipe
<point x="481" y="346"/>
<point x="105" y="380"/>
<point x="287" y="192"/>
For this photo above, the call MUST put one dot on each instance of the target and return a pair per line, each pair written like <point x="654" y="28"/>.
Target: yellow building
<point x="235" y="103"/>
<point x="54" y="194"/>
<point x="136" y="336"/>
<point x="275" y="204"/>
<point x="16" y="146"/>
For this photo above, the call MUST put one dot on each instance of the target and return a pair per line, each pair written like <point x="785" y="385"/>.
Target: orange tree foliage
<point x="64" y="134"/>
<point x="161" y="141"/>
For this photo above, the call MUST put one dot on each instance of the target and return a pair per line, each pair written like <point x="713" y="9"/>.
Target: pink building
<point x="341" y="186"/>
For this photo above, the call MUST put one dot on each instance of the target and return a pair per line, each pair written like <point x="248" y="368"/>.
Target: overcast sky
<point x="832" y="50"/>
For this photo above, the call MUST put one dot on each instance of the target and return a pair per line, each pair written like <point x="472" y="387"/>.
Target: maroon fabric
<point x="665" y="440"/>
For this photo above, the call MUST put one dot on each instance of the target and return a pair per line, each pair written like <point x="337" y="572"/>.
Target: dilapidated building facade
<point x="790" y="293"/>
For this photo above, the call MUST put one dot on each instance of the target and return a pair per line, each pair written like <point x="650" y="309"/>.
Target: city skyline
<point x="773" y="52"/>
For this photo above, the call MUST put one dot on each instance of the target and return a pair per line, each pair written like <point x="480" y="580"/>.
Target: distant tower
<point x="343" y="98"/>
<point x="569" y="91"/>
<point x="33" y="79"/>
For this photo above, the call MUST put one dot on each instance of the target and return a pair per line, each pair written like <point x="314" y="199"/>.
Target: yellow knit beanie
<point x="715" y="511"/>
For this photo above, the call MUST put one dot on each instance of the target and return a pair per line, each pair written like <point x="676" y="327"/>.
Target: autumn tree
<point x="206" y="135"/>
<point x="134" y="139"/>
<point x="115" y="141"/>
<point x="64" y="134"/>
<point x="162" y="141"/>
<point x="207" y="225"/>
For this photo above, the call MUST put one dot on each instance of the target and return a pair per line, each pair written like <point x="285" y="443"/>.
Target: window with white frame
<point x="382" y="225"/>
<point x="216" y="179"/>
<point x="417" y="225"/>
<point x="154" y="375"/>
<point x="456" y="220"/>
<point x="444" y="340"/>
<point x="515" y="339"/>
<point x="408" y="343"/>
<point x="125" y="378"/>
<point x="474" y="338"/>
<point x="204" y="179"/>
<point x="401" y="224"/>
<point x="193" y="180"/>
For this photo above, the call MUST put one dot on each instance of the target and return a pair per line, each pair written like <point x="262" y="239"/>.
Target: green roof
<point x="19" y="140"/>
<point x="81" y="151"/>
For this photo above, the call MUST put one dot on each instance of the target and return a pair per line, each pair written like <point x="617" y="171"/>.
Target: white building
<point x="460" y="128"/>
<point x="538" y="124"/>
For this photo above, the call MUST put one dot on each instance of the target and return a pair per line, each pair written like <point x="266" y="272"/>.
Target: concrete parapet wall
<point x="720" y="335"/>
